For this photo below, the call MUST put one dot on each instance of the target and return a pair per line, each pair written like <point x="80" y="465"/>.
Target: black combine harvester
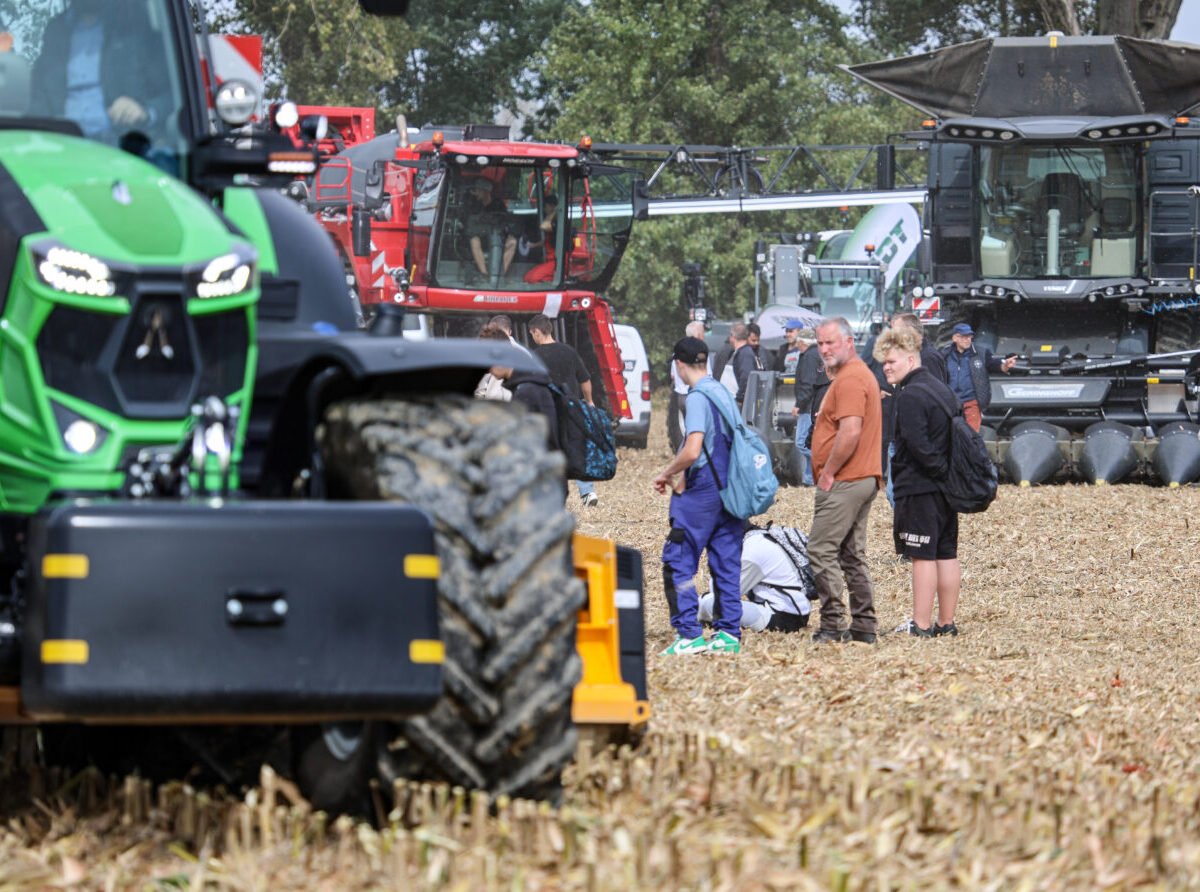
<point x="1060" y="178"/>
<point x="1062" y="222"/>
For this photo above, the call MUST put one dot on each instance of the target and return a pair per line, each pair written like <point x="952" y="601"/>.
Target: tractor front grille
<point x="152" y="363"/>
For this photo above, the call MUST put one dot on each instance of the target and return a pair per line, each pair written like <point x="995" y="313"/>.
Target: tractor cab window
<point x="107" y="67"/>
<point x="501" y="227"/>
<point x="1055" y="211"/>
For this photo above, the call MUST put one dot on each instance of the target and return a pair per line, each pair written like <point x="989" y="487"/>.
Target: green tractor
<point x="228" y="516"/>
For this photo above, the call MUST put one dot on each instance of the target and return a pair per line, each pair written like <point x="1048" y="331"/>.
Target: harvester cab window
<point x="1055" y="211"/>
<point x="601" y="214"/>
<point x="107" y="67"/>
<point x="502" y="227"/>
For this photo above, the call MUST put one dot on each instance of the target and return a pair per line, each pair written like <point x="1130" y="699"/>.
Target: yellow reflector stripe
<point x="1046" y="348"/>
<point x="426" y="650"/>
<point x="1053" y="41"/>
<point x="422" y="566"/>
<point x="65" y="566"/>
<point x="1152" y="381"/>
<point x="64" y="651"/>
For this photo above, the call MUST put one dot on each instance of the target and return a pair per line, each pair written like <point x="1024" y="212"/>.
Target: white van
<point x="633" y="431"/>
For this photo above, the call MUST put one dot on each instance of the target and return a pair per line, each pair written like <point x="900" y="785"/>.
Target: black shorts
<point x="924" y="527"/>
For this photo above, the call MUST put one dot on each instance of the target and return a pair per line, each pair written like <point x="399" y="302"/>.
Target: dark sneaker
<point x="829" y="636"/>
<point x="948" y="629"/>
<point x="862" y="637"/>
<point x="916" y="631"/>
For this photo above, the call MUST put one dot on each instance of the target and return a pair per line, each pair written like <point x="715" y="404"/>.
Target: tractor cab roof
<point x="1088" y="79"/>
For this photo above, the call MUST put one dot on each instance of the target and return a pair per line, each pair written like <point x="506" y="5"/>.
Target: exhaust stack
<point x="1177" y="458"/>
<point x="1109" y="453"/>
<point x="1034" y="453"/>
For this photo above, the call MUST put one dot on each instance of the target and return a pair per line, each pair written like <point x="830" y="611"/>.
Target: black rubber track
<point x="508" y="595"/>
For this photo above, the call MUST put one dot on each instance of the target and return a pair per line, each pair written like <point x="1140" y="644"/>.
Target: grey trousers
<point x="836" y="547"/>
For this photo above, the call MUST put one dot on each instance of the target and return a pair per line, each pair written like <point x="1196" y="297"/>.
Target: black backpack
<point x="585" y="434"/>
<point x="970" y="484"/>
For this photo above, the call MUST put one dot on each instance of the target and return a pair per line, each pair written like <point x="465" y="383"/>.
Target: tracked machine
<point x="1063" y="222"/>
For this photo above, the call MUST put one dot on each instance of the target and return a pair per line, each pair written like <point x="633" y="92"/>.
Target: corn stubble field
<point x="1052" y="745"/>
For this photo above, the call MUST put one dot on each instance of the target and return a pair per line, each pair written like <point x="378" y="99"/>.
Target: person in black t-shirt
<point x="567" y="370"/>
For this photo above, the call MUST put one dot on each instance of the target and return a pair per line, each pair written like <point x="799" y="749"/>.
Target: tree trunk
<point x="1136" y="18"/>
<point x="1059" y="15"/>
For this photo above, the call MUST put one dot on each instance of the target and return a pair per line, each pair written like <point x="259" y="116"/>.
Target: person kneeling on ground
<point x="777" y="582"/>
<point x="924" y="526"/>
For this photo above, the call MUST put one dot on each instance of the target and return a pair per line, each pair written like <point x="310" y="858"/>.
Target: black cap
<point x="690" y="351"/>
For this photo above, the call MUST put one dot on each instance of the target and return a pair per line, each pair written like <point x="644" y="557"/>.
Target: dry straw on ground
<point x="1051" y="746"/>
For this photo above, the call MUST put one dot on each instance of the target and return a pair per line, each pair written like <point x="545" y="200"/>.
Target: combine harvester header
<point x="1062" y="211"/>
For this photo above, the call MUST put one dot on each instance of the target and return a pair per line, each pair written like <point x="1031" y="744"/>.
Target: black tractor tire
<point x="675" y="420"/>
<point x="1177" y="330"/>
<point x="508" y="596"/>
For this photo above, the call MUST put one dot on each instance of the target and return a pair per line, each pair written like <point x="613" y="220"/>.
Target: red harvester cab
<point x="460" y="224"/>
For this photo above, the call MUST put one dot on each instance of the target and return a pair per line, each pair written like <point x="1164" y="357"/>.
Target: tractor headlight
<point x="79" y="435"/>
<point x="73" y="272"/>
<point x="225" y="276"/>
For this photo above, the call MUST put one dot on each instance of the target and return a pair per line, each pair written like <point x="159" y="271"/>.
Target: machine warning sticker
<point x="927" y="307"/>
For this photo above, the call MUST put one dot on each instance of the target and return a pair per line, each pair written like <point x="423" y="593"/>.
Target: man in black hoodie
<point x="925" y="528"/>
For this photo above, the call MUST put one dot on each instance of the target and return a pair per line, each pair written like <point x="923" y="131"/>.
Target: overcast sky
<point x="1187" y="23"/>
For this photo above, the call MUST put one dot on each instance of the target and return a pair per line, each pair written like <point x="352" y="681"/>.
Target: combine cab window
<point x="1048" y="212"/>
<point x="500" y="227"/>
<point x="106" y="67"/>
<point x="852" y="291"/>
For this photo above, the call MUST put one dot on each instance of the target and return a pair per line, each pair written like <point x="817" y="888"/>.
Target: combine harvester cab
<point x="1062" y="212"/>
<point x="460" y="223"/>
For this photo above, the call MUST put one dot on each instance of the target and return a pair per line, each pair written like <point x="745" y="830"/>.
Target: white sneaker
<point x="591" y="500"/>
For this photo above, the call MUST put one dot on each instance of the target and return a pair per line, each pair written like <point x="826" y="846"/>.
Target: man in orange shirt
<point x="846" y="449"/>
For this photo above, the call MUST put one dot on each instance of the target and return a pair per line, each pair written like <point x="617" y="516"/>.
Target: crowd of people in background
<point x="864" y="423"/>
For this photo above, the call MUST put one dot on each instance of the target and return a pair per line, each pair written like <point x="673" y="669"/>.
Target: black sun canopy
<point x="1007" y="77"/>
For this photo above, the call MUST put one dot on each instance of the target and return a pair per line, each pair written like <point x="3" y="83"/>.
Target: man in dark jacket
<point x="745" y="359"/>
<point x="924" y="526"/>
<point x="532" y="389"/>
<point x="789" y="352"/>
<point x="967" y="372"/>
<point x="567" y="370"/>
<point x="809" y="369"/>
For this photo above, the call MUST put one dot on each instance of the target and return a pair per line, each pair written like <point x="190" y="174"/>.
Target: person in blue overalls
<point x="698" y="519"/>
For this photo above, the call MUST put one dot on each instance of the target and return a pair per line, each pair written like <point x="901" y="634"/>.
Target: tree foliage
<point x="451" y="62"/>
<point x="898" y="26"/>
<point x="701" y="72"/>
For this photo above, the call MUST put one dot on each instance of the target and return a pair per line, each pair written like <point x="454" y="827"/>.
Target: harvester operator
<point x="487" y="217"/>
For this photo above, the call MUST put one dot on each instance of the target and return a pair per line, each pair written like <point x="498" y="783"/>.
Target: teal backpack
<point x="750" y="483"/>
